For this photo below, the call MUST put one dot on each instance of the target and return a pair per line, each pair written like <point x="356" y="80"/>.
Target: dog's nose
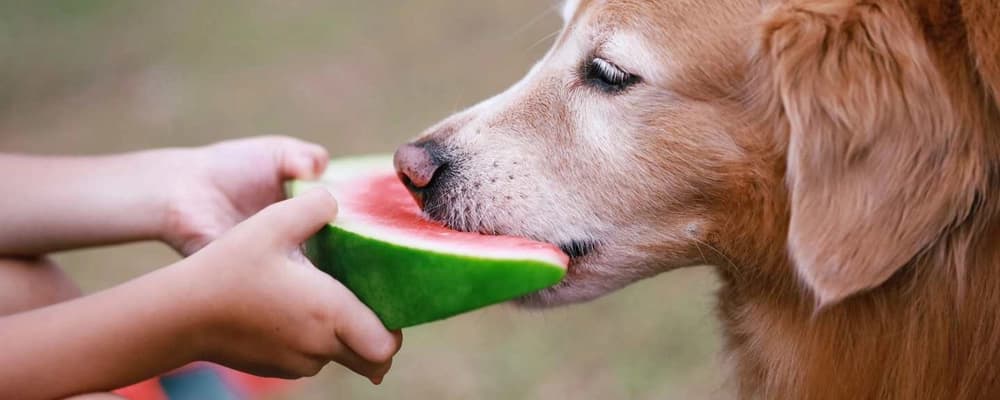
<point x="417" y="164"/>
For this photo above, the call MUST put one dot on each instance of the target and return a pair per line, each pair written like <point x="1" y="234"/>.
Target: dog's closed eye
<point x="607" y="77"/>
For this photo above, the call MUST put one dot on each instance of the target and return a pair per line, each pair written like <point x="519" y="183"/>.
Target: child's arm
<point x="185" y="197"/>
<point x="56" y="203"/>
<point x="249" y="300"/>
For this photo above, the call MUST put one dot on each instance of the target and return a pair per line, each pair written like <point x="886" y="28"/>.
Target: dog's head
<point x="656" y="135"/>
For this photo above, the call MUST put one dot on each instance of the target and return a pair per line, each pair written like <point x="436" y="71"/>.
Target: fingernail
<point x="325" y="190"/>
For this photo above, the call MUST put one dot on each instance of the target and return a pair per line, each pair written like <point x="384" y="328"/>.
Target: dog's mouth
<point x="575" y="249"/>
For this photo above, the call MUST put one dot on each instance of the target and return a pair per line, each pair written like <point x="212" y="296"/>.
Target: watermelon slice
<point x="410" y="270"/>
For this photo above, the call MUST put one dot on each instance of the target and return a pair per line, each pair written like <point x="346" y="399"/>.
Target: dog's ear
<point x="876" y="164"/>
<point x="982" y="30"/>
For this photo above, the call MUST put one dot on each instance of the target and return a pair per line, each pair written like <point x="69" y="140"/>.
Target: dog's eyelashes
<point x="606" y="76"/>
<point x="609" y="72"/>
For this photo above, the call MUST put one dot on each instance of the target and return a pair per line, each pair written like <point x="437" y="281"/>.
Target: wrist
<point x="153" y="177"/>
<point x="193" y="317"/>
<point x="182" y="188"/>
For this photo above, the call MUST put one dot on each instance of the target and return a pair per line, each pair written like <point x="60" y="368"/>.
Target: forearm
<point x="57" y="203"/>
<point x="100" y="342"/>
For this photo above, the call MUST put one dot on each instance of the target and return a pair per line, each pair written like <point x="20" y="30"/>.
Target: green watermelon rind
<point x="406" y="285"/>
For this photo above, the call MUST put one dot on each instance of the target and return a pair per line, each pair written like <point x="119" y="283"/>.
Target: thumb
<point x="292" y="221"/>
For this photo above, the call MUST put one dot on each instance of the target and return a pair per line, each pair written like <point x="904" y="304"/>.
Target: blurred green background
<point x="97" y="76"/>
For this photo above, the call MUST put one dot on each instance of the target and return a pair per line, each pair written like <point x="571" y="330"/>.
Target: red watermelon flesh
<point x="411" y="270"/>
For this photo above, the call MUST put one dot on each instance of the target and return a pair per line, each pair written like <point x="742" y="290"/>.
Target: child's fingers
<point x="301" y="160"/>
<point x="364" y="333"/>
<point x="373" y="371"/>
<point x="360" y="329"/>
<point x="292" y="221"/>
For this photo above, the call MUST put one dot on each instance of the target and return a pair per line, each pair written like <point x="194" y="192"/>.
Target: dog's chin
<point x="572" y="289"/>
<point x="545" y="298"/>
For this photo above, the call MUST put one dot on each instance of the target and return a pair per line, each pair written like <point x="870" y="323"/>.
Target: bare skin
<point x="245" y="297"/>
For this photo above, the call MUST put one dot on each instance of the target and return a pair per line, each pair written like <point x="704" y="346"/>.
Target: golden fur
<point x="838" y="161"/>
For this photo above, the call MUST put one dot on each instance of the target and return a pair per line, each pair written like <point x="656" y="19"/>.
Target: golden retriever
<point x="837" y="161"/>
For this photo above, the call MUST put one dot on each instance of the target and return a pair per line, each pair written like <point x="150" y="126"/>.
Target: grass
<point x="100" y="76"/>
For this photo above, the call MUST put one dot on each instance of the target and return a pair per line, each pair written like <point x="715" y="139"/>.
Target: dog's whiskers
<point x="544" y="39"/>
<point x="531" y="22"/>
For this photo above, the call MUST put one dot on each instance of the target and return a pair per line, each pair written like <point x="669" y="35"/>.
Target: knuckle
<point x="322" y="315"/>
<point x="298" y="367"/>
<point x="311" y="368"/>
<point x="320" y="343"/>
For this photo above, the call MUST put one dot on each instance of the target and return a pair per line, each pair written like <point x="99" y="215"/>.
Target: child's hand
<point x="248" y="300"/>
<point x="185" y="197"/>
<point x="217" y="186"/>
<point x="266" y="310"/>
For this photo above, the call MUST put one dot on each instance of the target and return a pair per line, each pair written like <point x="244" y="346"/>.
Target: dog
<point x="837" y="162"/>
